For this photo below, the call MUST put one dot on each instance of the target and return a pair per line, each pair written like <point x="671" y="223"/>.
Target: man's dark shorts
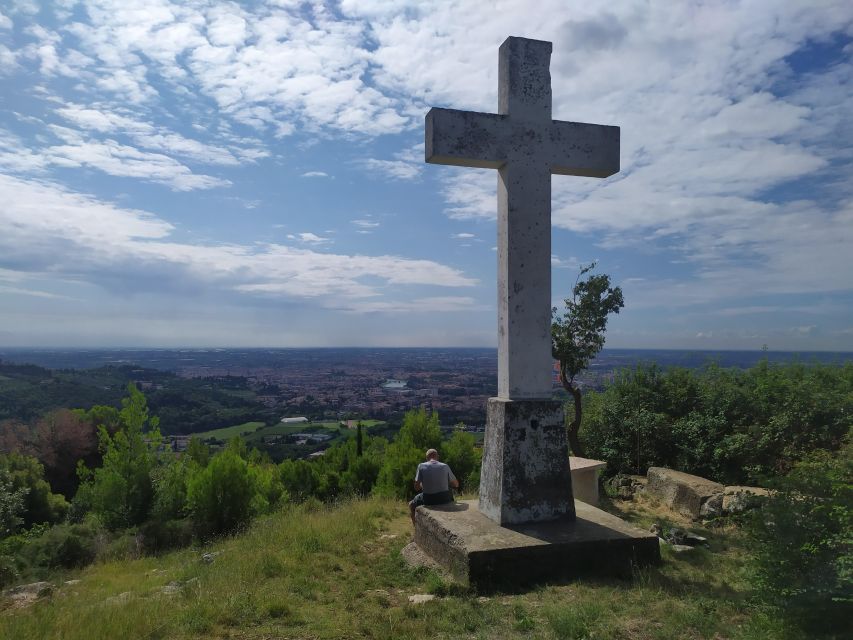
<point x="442" y="497"/>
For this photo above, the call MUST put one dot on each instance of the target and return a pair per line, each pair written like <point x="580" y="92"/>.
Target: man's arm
<point x="452" y="479"/>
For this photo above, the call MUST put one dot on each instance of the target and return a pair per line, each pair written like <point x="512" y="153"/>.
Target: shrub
<point x="161" y="535"/>
<point x="222" y="495"/>
<point x="25" y="475"/>
<point x="735" y="426"/>
<point x="170" y="489"/>
<point x="803" y="560"/>
<point x="460" y="454"/>
<point x="61" y="546"/>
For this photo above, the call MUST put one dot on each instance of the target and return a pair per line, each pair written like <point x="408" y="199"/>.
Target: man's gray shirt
<point x="434" y="476"/>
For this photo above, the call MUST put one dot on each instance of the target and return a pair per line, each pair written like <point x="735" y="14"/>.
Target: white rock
<point x="420" y="598"/>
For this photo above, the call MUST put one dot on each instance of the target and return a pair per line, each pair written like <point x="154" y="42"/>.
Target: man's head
<point x="431" y="454"/>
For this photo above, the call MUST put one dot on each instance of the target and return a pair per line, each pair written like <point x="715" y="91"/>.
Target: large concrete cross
<point x="526" y="146"/>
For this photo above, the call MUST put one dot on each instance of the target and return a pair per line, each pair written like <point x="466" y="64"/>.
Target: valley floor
<point x="336" y="572"/>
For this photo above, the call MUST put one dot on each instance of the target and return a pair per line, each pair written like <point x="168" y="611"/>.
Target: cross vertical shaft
<point x="525" y="475"/>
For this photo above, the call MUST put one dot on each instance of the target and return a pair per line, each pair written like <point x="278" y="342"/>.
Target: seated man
<point x="433" y="480"/>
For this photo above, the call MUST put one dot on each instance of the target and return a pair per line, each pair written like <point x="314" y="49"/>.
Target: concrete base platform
<point x="476" y="550"/>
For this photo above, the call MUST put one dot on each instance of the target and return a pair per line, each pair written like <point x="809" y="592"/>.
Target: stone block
<point x="585" y="478"/>
<point x="681" y="492"/>
<point x="476" y="550"/>
<point x="525" y="475"/>
<point x="737" y="499"/>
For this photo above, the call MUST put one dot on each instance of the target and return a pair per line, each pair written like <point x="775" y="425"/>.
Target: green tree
<point x="459" y="453"/>
<point x="121" y="491"/>
<point x="198" y="452"/>
<point x="222" y="496"/>
<point x="40" y="505"/>
<point x="11" y="504"/>
<point x="803" y="558"/>
<point x="578" y="335"/>
<point x="420" y="431"/>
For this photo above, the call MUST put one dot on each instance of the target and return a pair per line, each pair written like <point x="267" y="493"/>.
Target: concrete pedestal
<point x="476" y="550"/>
<point x="585" y="479"/>
<point x="525" y="475"/>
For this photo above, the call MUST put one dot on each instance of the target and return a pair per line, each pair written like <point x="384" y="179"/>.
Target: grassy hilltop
<point x="336" y="572"/>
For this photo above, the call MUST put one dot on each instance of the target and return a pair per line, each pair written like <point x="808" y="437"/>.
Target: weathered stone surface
<point x="525" y="475"/>
<point x="624" y="486"/>
<point x="526" y="146"/>
<point x="737" y="499"/>
<point x="712" y="507"/>
<point x="421" y="598"/>
<point x="680" y="491"/>
<point x="475" y="549"/>
<point x="210" y="557"/>
<point x="26" y="594"/>
<point x="585" y="478"/>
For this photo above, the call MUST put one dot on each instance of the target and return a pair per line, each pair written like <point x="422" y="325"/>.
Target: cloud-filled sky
<point x="207" y="173"/>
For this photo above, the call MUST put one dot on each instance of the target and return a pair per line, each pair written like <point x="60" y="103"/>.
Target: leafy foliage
<point x="222" y="496"/>
<point x="420" y="431"/>
<point x="578" y="335"/>
<point x="464" y="459"/>
<point x="25" y="478"/>
<point x="731" y="425"/>
<point x="803" y="557"/>
<point x="121" y="491"/>
<point x="11" y="504"/>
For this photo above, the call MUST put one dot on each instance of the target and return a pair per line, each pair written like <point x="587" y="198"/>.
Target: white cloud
<point x="121" y="160"/>
<point x="395" y="169"/>
<point x="462" y="236"/>
<point x="48" y="228"/>
<point x="5" y="21"/>
<point x="470" y="193"/>
<point x="365" y="224"/>
<point x="315" y="174"/>
<point x="308" y="238"/>
<point x="559" y="263"/>
<point x="435" y="304"/>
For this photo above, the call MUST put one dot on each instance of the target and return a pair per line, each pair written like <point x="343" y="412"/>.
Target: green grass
<point x="255" y="431"/>
<point x="337" y="573"/>
<point x="226" y="433"/>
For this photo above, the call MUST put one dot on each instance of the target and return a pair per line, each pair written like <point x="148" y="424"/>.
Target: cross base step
<point x="476" y="550"/>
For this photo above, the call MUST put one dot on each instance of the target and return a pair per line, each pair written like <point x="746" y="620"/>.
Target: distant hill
<point x="183" y="405"/>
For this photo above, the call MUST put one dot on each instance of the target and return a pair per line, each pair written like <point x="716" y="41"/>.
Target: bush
<point x="162" y="535"/>
<point x="735" y="426"/>
<point x="460" y="454"/>
<point x="222" y="496"/>
<point x="803" y="560"/>
<point x="420" y="431"/>
<point x="61" y="546"/>
<point x="26" y="477"/>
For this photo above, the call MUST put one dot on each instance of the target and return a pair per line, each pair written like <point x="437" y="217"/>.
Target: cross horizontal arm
<point x="580" y="149"/>
<point x="464" y="138"/>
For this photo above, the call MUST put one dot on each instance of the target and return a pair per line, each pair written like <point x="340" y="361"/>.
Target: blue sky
<point x="207" y="173"/>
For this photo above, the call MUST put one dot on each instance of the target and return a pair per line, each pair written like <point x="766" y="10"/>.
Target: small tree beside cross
<point x="578" y="335"/>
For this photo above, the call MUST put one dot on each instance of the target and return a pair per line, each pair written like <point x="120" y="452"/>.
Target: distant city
<point x="373" y="382"/>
